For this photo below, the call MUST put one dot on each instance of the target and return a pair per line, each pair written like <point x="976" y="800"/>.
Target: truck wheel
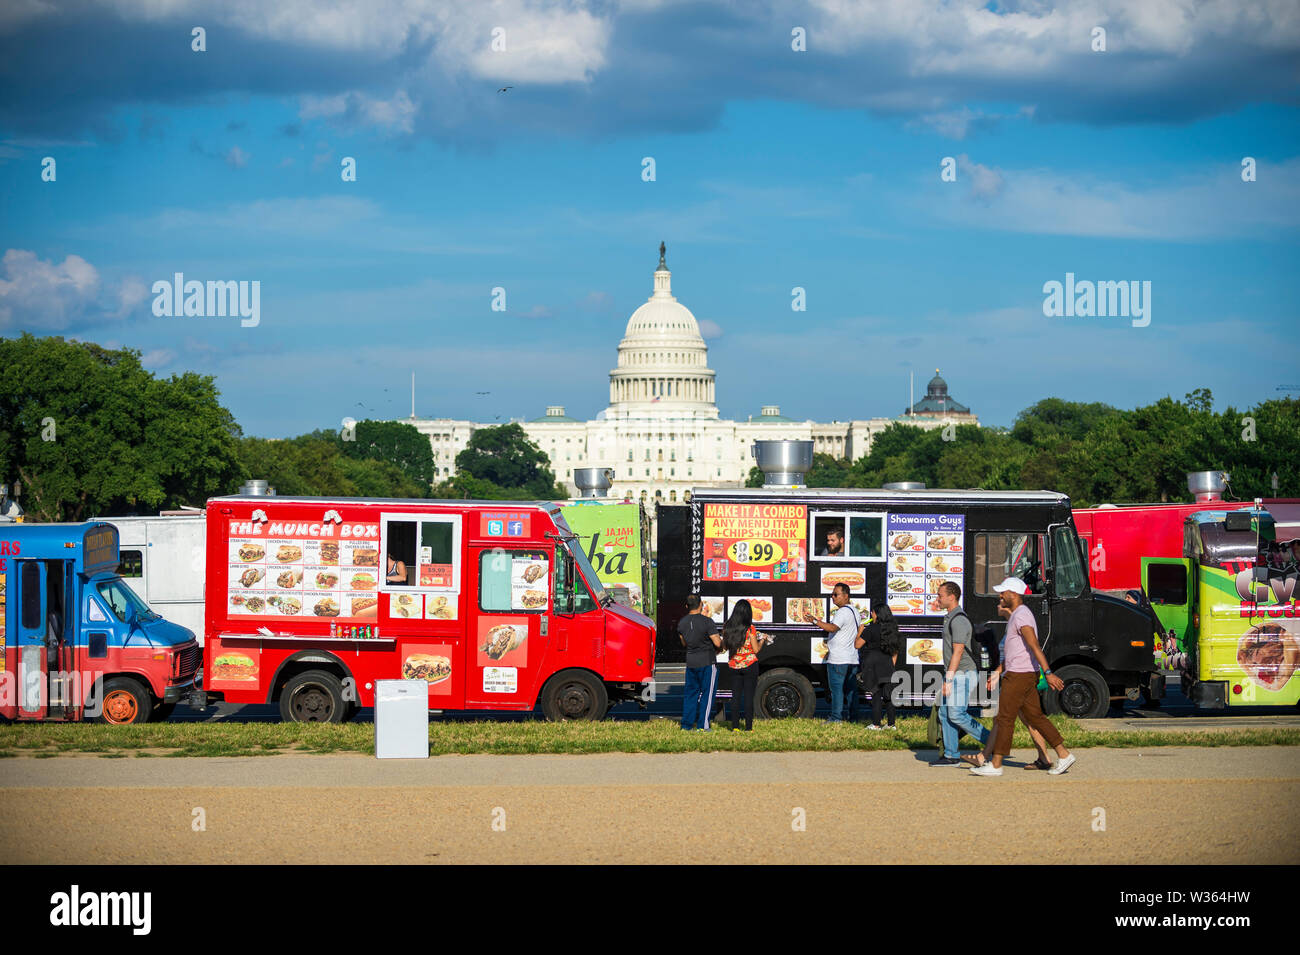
<point x="161" y="712"/>
<point x="574" y="695"/>
<point x="1085" y="695"/>
<point x="314" y="696"/>
<point x="783" y="692"/>
<point x="125" y="701"/>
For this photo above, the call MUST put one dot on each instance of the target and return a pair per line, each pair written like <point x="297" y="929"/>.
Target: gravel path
<point x="1163" y="805"/>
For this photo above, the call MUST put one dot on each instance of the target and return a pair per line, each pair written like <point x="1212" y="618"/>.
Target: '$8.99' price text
<point x="753" y="552"/>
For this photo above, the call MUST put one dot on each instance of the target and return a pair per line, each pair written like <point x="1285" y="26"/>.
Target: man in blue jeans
<point x="959" y="677"/>
<point x="842" y="658"/>
<point x="699" y="635"/>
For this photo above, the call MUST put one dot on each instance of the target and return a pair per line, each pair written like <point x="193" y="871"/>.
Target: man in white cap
<point x="1021" y="659"/>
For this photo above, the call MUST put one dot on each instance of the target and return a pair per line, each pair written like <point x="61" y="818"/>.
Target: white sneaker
<point x="988" y="769"/>
<point x="1061" y="765"/>
<point x="873" y="726"/>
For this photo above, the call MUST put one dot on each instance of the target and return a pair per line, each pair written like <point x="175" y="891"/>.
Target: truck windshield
<point x="593" y="581"/>
<point x="119" y="597"/>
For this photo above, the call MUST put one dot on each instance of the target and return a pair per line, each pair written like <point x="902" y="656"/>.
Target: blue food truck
<point x="75" y="641"/>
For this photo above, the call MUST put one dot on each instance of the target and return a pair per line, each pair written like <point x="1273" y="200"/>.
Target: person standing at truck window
<point x="960" y="674"/>
<point x="842" y="660"/>
<point x="396" y="570"/>
<point x="834" y="543"/>
<point x="743" y="643"/>
<point x="699" y="635"/>
<point x="879" y="643"/>
<point x="1020" y="683"/>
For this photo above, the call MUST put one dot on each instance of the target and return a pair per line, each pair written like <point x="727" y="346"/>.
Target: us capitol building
<point x="661" y="434"/>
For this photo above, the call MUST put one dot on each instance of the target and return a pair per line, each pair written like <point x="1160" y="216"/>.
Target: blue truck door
<point x="32" y="681"/>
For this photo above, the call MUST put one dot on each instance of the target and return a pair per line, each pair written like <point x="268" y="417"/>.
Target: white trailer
<point x="163" y="559"/>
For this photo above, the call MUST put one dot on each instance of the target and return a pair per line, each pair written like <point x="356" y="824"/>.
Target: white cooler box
<point x="401" y="719"/>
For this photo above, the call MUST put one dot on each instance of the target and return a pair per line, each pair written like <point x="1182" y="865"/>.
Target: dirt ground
<point x="1166" y="805"/>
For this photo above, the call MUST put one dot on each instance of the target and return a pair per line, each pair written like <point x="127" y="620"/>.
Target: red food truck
<point x="309" y="601"/>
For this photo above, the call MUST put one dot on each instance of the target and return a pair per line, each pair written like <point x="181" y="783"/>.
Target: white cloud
<point x="709" y="328"/>
<point x="158" y="358"/>
<point x="36" y="294"/>
<point x="395" y="114"/>
<point x="984" y="181"/>
<point x="236" y="158"/>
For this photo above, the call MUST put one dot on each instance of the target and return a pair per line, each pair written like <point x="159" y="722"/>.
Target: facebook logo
<point x="515" y="529"/>
<point x="494" y="528"/>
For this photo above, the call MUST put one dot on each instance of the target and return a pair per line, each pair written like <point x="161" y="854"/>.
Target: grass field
<point x="654" y="736"/>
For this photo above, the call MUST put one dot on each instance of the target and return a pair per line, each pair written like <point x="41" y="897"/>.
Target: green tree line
<point x="1090" y="451"/>
<point x="86" y="431"/>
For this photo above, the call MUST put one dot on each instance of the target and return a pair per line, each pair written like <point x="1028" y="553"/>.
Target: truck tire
<point x="1085" y="695"/>
<point x="313" y="696"/>
<point x="784" y="693"/>
<point x="161" y="712"/>
<point x="574" y="695"/>
<point x="125" y="701"/>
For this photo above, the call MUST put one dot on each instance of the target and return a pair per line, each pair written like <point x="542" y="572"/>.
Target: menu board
<point x="755" y="542"/>
<point x="320" y="570"/>
<point x="921" y="552"/>
<point x="529" y="583"/>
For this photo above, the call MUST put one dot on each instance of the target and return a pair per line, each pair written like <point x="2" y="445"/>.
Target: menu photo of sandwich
<point x="944" y="564"/>
<point x="405" y="606"/>
<point x="805" y="609"/>
<point x="361" y="554"/>
<point x="950" y="542"/>
<point x="247" y="551"/>
<point x="440" y="606"/>
<point x="431" y="667"/>
<point x="362" y="580"/>
<point x="232" y="666"/>
<point x="287" y="553"/>
<point x="713" y="608"/>
<point x="906" y="540"/>
<point x="329" y="552"/>
<point x="243" y="576"/>
<point x="367" y="606"/>
<point x="924" y="650"/>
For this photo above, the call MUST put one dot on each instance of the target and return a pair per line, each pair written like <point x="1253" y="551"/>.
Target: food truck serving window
<point x="841" y="535"/>
<point x="420" y="551"/>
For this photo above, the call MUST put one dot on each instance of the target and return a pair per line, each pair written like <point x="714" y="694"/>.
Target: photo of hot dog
<point x="855" y="578"/>
<point x="365" y="606"/>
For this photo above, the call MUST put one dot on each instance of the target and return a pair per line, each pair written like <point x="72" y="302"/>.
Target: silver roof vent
<point x="905" y="486"/>
<point x="1207" y="485"/>
<point x="783" y="463"/>
<point x="593" y="482"/>
<point x="257" y="488"/>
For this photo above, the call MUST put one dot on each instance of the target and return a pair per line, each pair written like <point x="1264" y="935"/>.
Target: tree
<point x="397" y="443"/>
<point x="315" y="465"/>
<point x="87" y="431"/>
<point x="506" y="458"/>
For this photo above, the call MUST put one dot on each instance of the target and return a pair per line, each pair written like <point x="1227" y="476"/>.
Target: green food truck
<point x="1242" y="645"/>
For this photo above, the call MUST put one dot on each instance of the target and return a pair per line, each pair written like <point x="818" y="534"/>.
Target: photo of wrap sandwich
<point x="289" y="579"/>
<point x="404" y="605"/>
<point x="924" y="650"/>
<point x="251" y="576"/>
<point x="503" y="638"/>
<point x="905" y="540"/>
<point x="439" y="607"/>
<point x="430" y="667"/>
<point x="1269" y="655"/>
<point x="251" y="552"/>
<point x="533" y="572"/>
<point x="231" y="665"/>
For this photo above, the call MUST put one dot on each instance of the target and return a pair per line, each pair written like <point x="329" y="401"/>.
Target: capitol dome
<point x="662" y="359"/>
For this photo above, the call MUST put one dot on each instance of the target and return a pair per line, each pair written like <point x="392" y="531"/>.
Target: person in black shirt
<point x="879" y="643"/>
<point x="699" y="635"/>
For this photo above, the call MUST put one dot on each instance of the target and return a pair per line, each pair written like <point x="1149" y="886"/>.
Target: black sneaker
<point x="945" y="761"/>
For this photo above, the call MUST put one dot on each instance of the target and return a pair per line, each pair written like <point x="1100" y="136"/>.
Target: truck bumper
<point x="173" y="694"/>
<point x="1208" y="695"/>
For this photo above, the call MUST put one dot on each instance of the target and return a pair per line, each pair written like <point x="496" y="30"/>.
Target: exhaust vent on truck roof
<point x="593" y="482"/>
<point x="783" y="463"/>
<point x="905" y="486"/>
<point x="1207" y="485"/>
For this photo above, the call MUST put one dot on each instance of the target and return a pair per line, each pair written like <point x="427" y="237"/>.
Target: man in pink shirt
<point x="1021" y="659"/>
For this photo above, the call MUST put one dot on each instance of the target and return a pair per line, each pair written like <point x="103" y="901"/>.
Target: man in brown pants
<point x="1021" y="658"/>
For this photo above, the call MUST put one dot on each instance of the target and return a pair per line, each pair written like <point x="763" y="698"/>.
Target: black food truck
<point x="770" y="546"/>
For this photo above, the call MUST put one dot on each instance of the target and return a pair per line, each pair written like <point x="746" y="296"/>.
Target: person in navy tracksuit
<point x="699" y="635"/>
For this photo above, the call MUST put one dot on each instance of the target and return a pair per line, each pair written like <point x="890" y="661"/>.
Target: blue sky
<point x="774" y="169"/>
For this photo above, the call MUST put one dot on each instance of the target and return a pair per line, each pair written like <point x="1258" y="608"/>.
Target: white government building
<point x="661" y="433"/>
